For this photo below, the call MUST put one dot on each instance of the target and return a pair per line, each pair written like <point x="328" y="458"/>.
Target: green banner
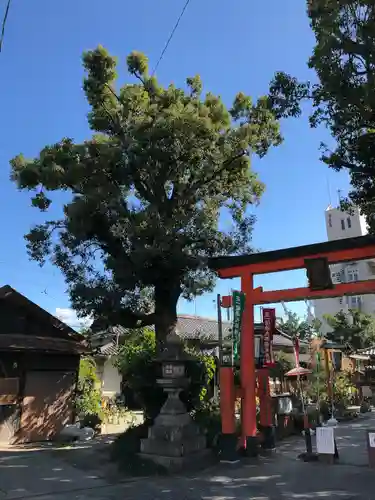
<point x="238" y="301"/>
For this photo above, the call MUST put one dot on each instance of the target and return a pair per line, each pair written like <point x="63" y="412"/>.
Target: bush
<point x="88" y="399"/>
<point x="343" y="392"/>
<point x="207" y="417"/>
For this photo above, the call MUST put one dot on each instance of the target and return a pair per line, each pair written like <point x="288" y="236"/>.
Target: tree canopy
<point x="294" y="326"/>
<point x="147" y="192"/>
<point x="344" y="98"/>
<point x="354" y="330"/>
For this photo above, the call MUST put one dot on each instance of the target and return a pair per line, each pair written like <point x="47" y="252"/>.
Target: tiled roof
<point x="188" y="328"/>
<point x="108" y="350"/>
<point x="197" y="327"/>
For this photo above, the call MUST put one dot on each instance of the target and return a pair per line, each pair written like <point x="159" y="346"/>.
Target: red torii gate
<point x="315" y="258"/>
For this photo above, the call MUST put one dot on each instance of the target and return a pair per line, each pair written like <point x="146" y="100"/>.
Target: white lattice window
<point x="353" y="275"/>
<point x="355" y="301"/>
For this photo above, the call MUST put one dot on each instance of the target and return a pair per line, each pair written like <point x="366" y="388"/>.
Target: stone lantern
<point x="174" y="439"/>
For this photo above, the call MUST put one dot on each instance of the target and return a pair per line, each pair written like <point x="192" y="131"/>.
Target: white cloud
<point x="69" y="317"/>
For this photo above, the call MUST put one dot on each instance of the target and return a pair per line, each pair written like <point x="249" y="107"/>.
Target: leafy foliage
<point x="283" y="363"/>
<point x="344" y="98"/>
<point x="87" y="401"/>
<point x="136" y="362"/>
<point x="208" y="417"/>
<point x="293" y="326"/>
<point x="344" y="390"/>
<point x="147" y="191"/>
<point x="354" y="329"/>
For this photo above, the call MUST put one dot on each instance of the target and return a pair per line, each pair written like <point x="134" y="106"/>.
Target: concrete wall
<point x="110" y="378"/>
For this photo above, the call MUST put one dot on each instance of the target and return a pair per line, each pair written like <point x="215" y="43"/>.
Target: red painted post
<point x="227" y="400"/>
<point x="247" y="360"/>
<point x="265" y="399"/>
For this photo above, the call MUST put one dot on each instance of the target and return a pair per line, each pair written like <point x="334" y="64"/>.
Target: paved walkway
<point x="43" y="475"/>
<point x="350" y="439"/>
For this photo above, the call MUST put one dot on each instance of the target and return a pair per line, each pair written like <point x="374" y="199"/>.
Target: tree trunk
<point x="166" y="298"/>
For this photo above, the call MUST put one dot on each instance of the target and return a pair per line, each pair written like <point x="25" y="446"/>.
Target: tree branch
<point x="217" y="173"/>
<point x="125" y="318"/>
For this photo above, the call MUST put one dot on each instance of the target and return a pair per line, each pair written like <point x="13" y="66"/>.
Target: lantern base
<point x="174" y="439"/>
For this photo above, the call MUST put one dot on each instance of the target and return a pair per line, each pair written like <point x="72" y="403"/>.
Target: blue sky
<point x="234" y="46"/>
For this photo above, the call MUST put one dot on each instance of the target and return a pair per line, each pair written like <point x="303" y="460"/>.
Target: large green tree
<point x="354" y="330"/>
<point x="147" y="191"/>
<point x="343" y="99"/>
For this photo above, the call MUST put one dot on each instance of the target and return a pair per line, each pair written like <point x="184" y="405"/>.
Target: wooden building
<point x="39" y="362"/>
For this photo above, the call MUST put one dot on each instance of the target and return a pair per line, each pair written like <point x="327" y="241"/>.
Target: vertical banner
<point x="238" y="302"/>
<point x="269" y="324"/>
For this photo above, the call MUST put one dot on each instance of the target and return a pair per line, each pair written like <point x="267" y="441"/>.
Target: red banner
<point x="269" y="323"/>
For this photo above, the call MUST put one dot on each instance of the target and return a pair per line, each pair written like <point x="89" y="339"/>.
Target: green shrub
<point x="344" y="390"/>
<point x="87" y="400"/>
<point x="207" y="417"/>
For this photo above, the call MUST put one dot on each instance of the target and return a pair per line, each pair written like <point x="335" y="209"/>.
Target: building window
<point x="343" y="224"/>
<point x="352" y="275"/>
<point x="355" y="301"/>
<point x="330" y="220"/>
<point x="349" y="222"/>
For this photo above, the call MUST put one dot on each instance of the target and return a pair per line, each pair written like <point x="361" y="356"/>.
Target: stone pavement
<point x="281" y="476"/>
<point x="27" y="473"/>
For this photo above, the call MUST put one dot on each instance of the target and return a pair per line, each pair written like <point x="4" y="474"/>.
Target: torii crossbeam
<point x="245" y="267"/>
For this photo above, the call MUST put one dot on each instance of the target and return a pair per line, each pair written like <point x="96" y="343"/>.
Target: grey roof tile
<point x="188" y="328"/>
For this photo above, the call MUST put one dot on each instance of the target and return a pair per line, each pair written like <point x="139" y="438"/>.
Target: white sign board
<point x="325" y="440"/>
<point x="371" y="439"/>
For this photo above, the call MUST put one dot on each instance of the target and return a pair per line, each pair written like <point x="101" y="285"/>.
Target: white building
<point x="343" y="225"/>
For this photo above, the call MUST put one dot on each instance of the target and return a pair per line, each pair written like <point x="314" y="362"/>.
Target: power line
<point x="3" y="25"/>
<point x="171" y="36"/>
